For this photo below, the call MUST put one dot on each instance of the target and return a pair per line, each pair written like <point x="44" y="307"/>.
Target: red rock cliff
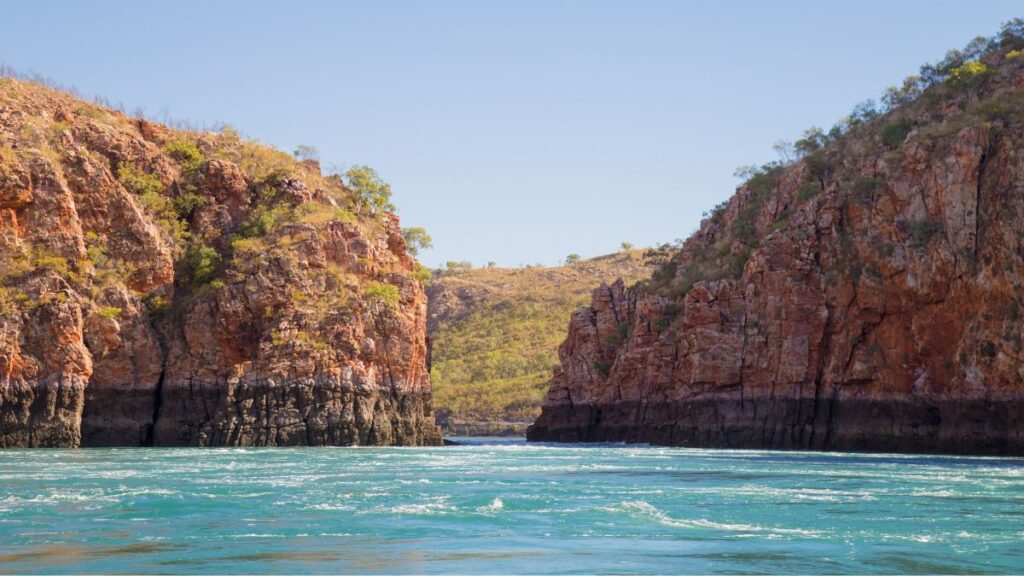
<point x="866" y="297"/>
<point x="160" y="287"/>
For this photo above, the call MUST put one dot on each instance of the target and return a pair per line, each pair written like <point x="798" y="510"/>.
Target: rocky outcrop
<point x="181" y="288"/>
<point x="867" y="297"/>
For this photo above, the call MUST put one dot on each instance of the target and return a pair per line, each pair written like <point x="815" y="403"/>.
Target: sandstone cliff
<point x="163" y="287"/>
<point x="865" y="297"/>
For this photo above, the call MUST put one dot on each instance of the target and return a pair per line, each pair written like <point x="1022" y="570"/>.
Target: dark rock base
<point x="944" y="427"/>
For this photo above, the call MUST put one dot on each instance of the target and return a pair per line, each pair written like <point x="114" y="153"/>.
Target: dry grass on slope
<point x="496" y="332"/>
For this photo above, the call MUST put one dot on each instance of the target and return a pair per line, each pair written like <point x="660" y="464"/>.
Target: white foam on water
<point x="494" y="506"/>
<point x="326" y="507"/>
<point x="642" y="509"/>
<point x="929" y="493"/>
<point x="425" y="509"/>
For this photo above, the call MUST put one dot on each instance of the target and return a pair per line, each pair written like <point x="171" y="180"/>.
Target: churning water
<point x="506" y="507"/>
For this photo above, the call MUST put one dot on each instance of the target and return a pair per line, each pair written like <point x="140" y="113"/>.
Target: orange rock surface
<point x="111" y="335"/>
<point x="876" y="305"/>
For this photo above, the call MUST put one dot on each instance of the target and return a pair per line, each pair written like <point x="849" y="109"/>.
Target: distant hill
<point x="496" y="332"/>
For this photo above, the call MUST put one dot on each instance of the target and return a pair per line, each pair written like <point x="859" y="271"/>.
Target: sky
<point x="516" y="132"/>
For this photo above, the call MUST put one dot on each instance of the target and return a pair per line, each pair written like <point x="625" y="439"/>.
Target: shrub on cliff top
<point x="452" y="266"/>
<point x="306" y="152"/>
<point x="417" y="239"/>
<point x="968" y="74"/>
<point x="371" y="193"/>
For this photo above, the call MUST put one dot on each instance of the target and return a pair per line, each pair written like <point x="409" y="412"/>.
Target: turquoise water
<point x="506" y="507"/>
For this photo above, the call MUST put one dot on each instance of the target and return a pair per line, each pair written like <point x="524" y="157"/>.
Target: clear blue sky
<point x="513" y="131"/>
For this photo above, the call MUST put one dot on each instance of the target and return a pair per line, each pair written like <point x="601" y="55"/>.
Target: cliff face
<point x="161" y="287"/>
<point x="866" y="297"/>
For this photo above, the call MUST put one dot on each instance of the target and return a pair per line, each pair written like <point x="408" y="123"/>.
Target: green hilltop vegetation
<point x="496" y="333"/>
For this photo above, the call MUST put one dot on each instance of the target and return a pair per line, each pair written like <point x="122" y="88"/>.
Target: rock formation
<point x="865" y="297"/>
<point x="163" y="287"/>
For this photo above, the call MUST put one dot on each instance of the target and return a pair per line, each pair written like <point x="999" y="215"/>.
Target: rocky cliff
<point x="866" y="296"/>
<point x="164" y="287"/>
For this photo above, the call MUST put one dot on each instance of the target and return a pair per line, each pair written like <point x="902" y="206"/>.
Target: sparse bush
<point x="248" y="247"/>
<point x="864" y="189"/>
<point x="894" y="133"/>
<point x="922" y="231"/>
<point x="265" y="219"/>
<point x="421" y="273"/>
<point x="157" y="306"/>
<point x="186" y="153"/>
<point x="371" y="193"/>
<point x="318" y="214"/>
<point x="304" y="152"/>
<point x="813" y="140"/>
<point x="417" y="239"/>
<point x="186" y="204"/>
<point x="42" y="258"/>
<point x="906" y="93"/>
<point x="96" y="256"/>
<point x="149" y="190"/>
<point x="968" y="74"/>
<point x="807" y="191"/>
<point x="864" y="112"/>
<point x="662" y="322"/>
<point x="572" y="258"/>
<point x="202" y="263"/>
<point x="111" y="312"/>
<point x="257" y="160"/>
<point x="626" y="246"/>
<point x="381" y="293"/>
<point x="138" y="182"/>
<point x="462" y="265"/>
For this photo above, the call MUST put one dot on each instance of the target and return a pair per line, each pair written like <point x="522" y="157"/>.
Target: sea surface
<point x="503" y="506"/>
